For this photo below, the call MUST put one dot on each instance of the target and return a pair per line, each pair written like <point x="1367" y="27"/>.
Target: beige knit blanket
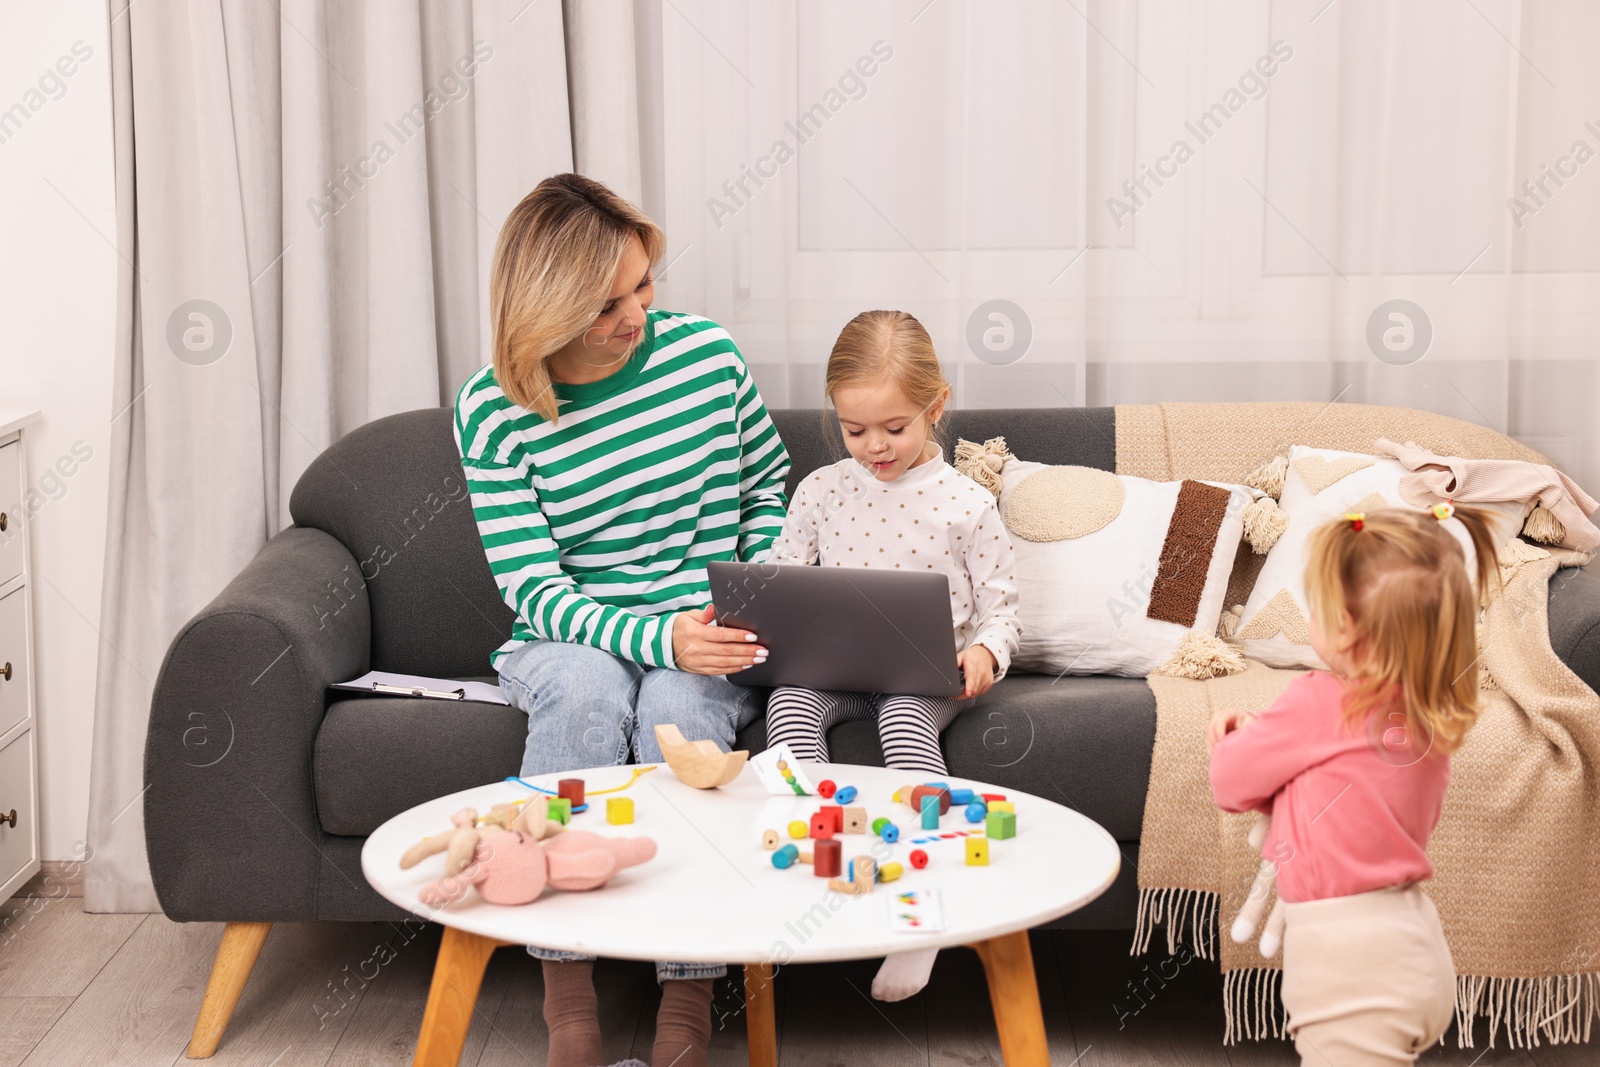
<point x="1517" y="850"/>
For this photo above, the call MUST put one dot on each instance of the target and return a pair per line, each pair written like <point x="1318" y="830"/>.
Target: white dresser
<point x="19" y="763"/>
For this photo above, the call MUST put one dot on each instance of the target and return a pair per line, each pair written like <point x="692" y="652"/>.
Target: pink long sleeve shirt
<point x="1351" y="809"/>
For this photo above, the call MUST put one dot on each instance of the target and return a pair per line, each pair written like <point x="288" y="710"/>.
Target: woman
<point x="611" y="451"/>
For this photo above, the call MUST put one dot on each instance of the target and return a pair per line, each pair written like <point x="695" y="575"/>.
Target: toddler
<point x="896" y="504"/>
<point x="1352" y="763"/>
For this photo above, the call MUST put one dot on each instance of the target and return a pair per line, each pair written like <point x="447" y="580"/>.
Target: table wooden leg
<point x="236" y="955"/>
<point x="1014" y="994"/>
<point x="457" y="974"/>
<point x="761" y="1014"/>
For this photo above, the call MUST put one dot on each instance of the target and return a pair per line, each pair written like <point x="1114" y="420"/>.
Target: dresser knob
<point x="9" y="819"/>
<point x="5" y="672"/>
<point x="2" y="521"/>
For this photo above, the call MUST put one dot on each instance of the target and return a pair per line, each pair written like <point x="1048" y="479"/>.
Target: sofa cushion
<point x="1083" y="742"/>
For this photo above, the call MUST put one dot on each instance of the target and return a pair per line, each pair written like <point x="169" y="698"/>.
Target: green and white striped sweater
<point x="599" y="528"/>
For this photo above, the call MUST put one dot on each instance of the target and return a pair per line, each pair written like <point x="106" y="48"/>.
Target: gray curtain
<point x="307" y="203"/>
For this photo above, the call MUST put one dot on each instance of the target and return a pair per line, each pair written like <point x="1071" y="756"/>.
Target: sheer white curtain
<point x="307" y="201"/>
<point x="1176" y="200"/>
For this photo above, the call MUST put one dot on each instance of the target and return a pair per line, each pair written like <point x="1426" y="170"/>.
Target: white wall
<point x="57" y="317"/>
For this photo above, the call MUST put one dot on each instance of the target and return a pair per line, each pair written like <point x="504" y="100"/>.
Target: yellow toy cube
<point x="619" y="810"/>
<point x="977" y="852"/>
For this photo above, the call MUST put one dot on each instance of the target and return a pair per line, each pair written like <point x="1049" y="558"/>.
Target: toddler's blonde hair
<point x="879" y="345"/>
<point x="1395" y="594"/>
<point x="553" y="268"/>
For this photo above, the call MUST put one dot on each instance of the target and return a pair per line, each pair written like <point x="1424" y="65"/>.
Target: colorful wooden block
<point x="961" y="796"/>
<point x="572" y="789"/>
<point x="1002" y="805"/>
<point x="976" y="811"/>
<point x="785" y="857"/>
<point x="835" y="818"/>
<point x="841" y="885"/>
<point x="977" y="852"/>
<point x="826" y="857"/>
<point x="619" y="811"/>
<point x="930" y="813"/>
<point x="807" y="857"/>
<point x="864" y="872"/>
<point x="1002" y="825"/>
<point x="769" y="840"/>
<point x="560" y="810"/>
<point x="878" y="824"/>
<point x="821" y="826"/>
<point x="890" y="871"/>
<point x="992" y="797"/>
<point x="928" y="791"/>
<point x="855" y="821"/>
<point x="826" y="788"/>
<point x="798" y="829"/>
<point x="919" y="858"/>
<point x="845" y="795"/>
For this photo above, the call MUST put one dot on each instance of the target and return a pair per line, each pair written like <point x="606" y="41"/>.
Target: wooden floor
<point x="123" y="990"/>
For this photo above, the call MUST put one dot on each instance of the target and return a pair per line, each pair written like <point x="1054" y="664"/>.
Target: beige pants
<point x="1367" y="979"/>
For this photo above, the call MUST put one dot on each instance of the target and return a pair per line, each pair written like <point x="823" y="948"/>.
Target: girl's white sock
<point x="903" y="974"/>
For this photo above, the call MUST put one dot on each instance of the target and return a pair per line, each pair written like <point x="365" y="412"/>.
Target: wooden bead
<point x="825" y="788"/>
<point x="855" y="821"/>
<point x="619" y="811"/>
<point x="890" y="871"/>
<point x="864" y="872"/>
<point x="961" y="796"/>
<point x="976" y="811"/>
<point x="785" y="857"/>
<point x="769" y="840"/>
<point x="878" y="824"/>
<point x="890" y="832"/>
<point x="930" y="812"/>
<point x="798" y="829"/>
<point x="928" y="791"/>
<point x="919" y="858"/>
<point x="845" y="795"/>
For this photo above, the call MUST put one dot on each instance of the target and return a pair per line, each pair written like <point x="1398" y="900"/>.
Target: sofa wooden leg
<point x="236" y="955"/>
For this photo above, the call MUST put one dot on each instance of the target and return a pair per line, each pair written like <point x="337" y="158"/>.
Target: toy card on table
<point x="916" y="911"/>
<point x="789" y="779"/>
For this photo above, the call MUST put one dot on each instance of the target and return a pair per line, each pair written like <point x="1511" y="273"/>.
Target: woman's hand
<point x="700" y="648"/>
<point x="978" y="665"/>
<point x="1223" y="722"/>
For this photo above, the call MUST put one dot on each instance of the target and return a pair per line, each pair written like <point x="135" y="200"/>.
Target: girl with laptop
<point x="896" y="504"/>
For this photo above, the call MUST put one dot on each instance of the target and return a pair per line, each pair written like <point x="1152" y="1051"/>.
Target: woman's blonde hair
<point x="554" y="265"/>
<point x="879" y="345"/>
<point x="1393" y="590"/>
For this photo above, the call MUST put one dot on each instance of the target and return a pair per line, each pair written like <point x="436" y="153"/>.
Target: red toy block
<point x="992" y="796"/>
<point x="835" y="818"/>
<point x="826" y="858"/>
<point x="572" y="789"/>
<point x="919" y="858"/>
<point x="826" y="788"/>
<point x="821" y="826"/>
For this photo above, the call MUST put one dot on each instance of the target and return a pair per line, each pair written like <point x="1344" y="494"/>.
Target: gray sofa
<point x="383" y="570"/>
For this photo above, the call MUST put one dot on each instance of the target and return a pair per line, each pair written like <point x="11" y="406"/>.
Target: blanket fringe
<point x="1554" y="1009"/>
<point x="1251" y="1009"/>
<point x="1190" y="916"/>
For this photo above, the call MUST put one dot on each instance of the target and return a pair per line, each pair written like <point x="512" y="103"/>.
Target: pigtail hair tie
<point x="1356" y="519"/>
<point x="1444" y="511"/>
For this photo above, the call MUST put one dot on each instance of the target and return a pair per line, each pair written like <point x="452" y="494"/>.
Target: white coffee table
<point x="712" y="895"/>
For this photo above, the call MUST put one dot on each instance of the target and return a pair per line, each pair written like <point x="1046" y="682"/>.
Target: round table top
<point x="712" y="895"/>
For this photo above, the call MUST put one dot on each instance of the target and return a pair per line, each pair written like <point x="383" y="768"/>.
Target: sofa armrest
<point x="230" y="817"/>
<point x="1575" y="621"/>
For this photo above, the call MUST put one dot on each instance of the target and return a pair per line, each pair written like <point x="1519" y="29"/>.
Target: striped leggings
<point x="909" y="726"/>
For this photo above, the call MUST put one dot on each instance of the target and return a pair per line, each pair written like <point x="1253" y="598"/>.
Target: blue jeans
<point x="588" y="708"/>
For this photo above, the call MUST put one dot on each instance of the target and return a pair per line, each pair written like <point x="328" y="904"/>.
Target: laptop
<point x="850" y="628"/>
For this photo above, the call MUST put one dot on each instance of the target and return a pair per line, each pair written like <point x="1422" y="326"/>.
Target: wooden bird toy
<point x="700" y="764"/>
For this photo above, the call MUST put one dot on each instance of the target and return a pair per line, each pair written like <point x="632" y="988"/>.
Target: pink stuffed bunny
<point x="512" y="865"/>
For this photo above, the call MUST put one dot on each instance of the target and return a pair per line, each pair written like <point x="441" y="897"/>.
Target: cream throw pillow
<point x="1321" y="484"/>
<point x="1120" y="575"/>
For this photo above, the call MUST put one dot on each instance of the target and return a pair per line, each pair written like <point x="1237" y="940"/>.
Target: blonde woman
<point x="611" y="451"/>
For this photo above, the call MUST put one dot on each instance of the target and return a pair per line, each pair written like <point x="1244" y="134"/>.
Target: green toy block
<point x="560" y="810"/>
<point x="1001" y="825"/>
